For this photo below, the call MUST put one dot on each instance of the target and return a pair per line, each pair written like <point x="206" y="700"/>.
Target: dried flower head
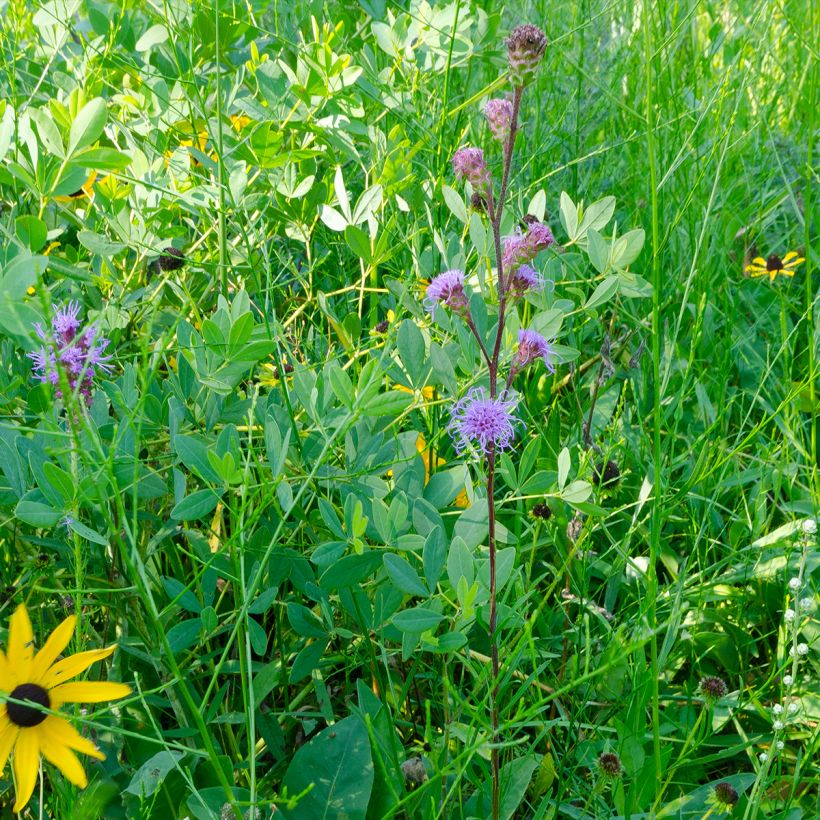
<point x="542" y="511"/>
<point x="469" y="164"/>
<point x="499" y="114"/>
<point x="448" y="289"/>
<point x="525" y="48"/>
<point x="381" y="327"/>
<point x="171" y="259"/>
<point x="77" y="352"/>
<point x="532" y="346"/>
<point x="414" y="771"/>
<point x="483" y="421"/>
<point x="712" y="688"/>
<point x="610" y="765"/>
<point x="575" y="527"/>
<point x="606" y="472"/>
<point x="726" y="795"/>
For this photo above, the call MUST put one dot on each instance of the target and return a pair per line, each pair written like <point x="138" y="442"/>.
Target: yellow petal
<point x="752" y="268"/>
<point x="8" y="734"/>
<point x="87" y="691"/>
<point x="794" y="262"/>
<point x="756" y="272"/>
<point x="56" y="643"/>
<point x="790" y="255"/>
<point x="21" y="643"/>
<point x="57" y="730"/>
<point x="26" y="766"/>
<point x="62" y="757"/>
<point x="8" y="680"/>
<point x="759" y="260"/>
<point x="67" y="668"/>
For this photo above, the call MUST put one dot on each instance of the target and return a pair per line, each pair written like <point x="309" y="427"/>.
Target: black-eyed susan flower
<point x="81" y="193"/>
<point x="32" y="688"/>
<point x="774" y="266"/>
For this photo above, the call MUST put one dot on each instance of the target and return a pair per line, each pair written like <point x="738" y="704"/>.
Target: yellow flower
<point x="239" y="121"/>
<point x="41" y="684"/>
<point x="427" y="392"/>
<point x="774" y="265"/>
<point x="80" y="193"/>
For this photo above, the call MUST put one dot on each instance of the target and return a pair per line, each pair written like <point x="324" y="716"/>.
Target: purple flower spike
<point x="483" y="422"/>
<point x="79" y="353"/>
<point x="532" y="346"/>
<point x="520" y="248"/>
<point x="525" y="278"/>
<point x="539" y="237"/>
<point x="469" y="163"/>
<point x="447" y="288"/>
<point x="499" y="114"/>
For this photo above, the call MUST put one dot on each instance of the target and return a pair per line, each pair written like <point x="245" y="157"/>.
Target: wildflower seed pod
<point x="525" y="49"/>
<point x="171" y="259"/>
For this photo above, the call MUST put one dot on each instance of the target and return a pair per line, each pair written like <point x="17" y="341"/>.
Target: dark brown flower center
<point x="774" y="262"/>
<point x="24" y="715"/>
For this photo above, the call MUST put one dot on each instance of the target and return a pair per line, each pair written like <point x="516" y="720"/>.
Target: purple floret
<point x="483" y="422"/>
<point x="532" y="346"/>
<point x="525" y="278"/>
<point x="79" y="353"/>
<point x="469" y="163"/>
<point x="448" y="289"/>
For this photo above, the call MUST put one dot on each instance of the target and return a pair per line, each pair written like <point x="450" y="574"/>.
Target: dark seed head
<point x="610" y="765"/>
<point x="726" y="794"/>
<point x="478" y="203"/>
<point x="604" y="473"/>
<point x="542" y="511"/>
<point x="171" y="259"/>
<point x="774" y="262"/>
<point x="25" y="715"/>
<point x="712" y="688"/>
<point x="382" y="326"/>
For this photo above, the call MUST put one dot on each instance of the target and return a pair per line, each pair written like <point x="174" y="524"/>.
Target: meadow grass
<point x="297" y="584"/>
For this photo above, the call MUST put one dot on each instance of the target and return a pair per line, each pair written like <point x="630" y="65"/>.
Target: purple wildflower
<point x="532" y="346"/>
<point x="483" y="421"/>
<point x="77" y="352"/>
<point x="525" y="278"/>
<point x="520" y="248"/>
<point x="469" y="163"/>
<point x="525" y="48"/>
<point x="447" y="288"/>
<point x="499" y="114"/>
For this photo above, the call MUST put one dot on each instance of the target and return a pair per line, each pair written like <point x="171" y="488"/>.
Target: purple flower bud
<point x="77" y="352"/>
<point x="525" y="48"/>
<point x="499" y="114"/>
<point x="524" y="278"/>
<point x="469" y="163"/>
<point x="447" y="288"/>
<point x="532" y="346"/>
<point x="610" y="766"/>
<point x="483" y="421"/>
<point x="712" y="688"/>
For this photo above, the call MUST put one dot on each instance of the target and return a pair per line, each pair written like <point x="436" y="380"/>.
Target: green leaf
<point x="304" y="622"/>
<point x="434" y="556"/>
<point x="155" y="35"/>
<point x="568" y="215"/>
<point x="460" y="563"/>
<point x="88" y="126"/>
<point x="36" y="514"/>
<point x="391" y="403"/>
<point x="598" y="249"/>
<point x="87" y="532"/>
<point x="604" y="292"/>
<point x="101" y="159"/>
<point x="195" y="506"/>
<point x="99" y="244"/>
<point x="418" y="619"/>
<point x="403" y="575"/>
<point x="181" y="595"/>
<point x="412" y="350"/>
<point x="358" y="241"/>
<point x="148" y="778"/>
<point x="31" y="231"/>
<point x="335" y="768"/>
<point x="455" y="203"/>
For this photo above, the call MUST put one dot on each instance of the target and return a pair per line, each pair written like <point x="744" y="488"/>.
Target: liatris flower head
<point x="539" y="236"/>
<point x="532" y="346"/>
<point x="524" y="278"/>
<point x="712" y="688"/>
<point x="726" y="795"/>
<point x="469" y="163"/>
<point x="448" y="289"/>
<point x="77" y="352"/>
<point x="525" y="48"/>
<point x="482" y="421"/>
<point x="610" y="766"/>
<point x="171" y="259"/>
<point x="520" y="248"/>
<point x="499" y="114"/>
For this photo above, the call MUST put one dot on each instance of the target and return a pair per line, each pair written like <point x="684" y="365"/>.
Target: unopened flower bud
<point x="794" y="584"/>
<point x="499" y="114"/>
<point x="469" y="164"/>
<point x="809" y="526"/>
<point x="525" y="48"/>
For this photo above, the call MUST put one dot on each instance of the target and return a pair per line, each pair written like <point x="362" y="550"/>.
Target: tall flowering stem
<point x="485" y="421"/>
